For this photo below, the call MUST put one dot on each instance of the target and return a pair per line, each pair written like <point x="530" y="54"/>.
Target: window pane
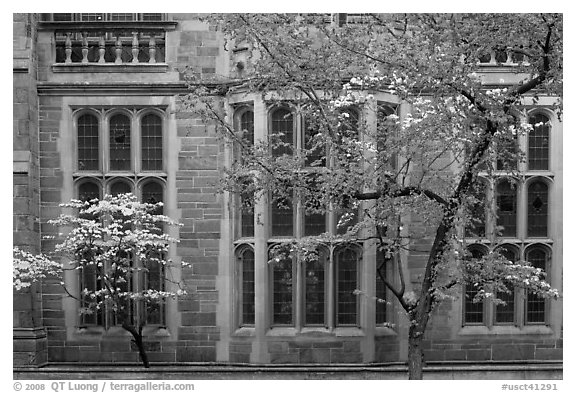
<point x="347" y="283"/>
<point x="314" y="301"/>
<point x="91" y="17"/>
<point x="314" y="224"/>
<point x="381" y="263"/>
<point x="473" y="312"/>
<point x="506" y="205"/>
<point x="247" y="126"/>
<point x="152" y="192"/>
<point x="121" y="17"/>
<point x="538" y="143"/>
<point x="282" y="302"/>
<point x="88" y="146"/>
<point x="536" y="305"/>
<point x="89" y="281"/>
<point x="283" y="124"/>
<point x="316" y="156"/>
<point x="477" y="225"/>
<point x="150" y="17"/>
<point x="151" y="143"/>
<point x="119" y="143"/>
<point x="538" y="209"/>
<point x="505" y="312"/>
<point x="507" y="152"/>
<point x="120" y="187"/>
<point x="248" y="291"/>
<point x="155" y="281"/>
<point x="386" y="128"/>
<point x="282" y="219"/>
<point x="62" y="17"/>
<point x="88" y="191"/>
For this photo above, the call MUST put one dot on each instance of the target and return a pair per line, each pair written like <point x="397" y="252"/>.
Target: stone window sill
<point x="504" y="330"/>
<point x="315" y="332"/>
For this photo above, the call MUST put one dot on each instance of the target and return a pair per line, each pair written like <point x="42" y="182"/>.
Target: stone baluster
<point x="84" y="47"/>
<point x="68" y="48"/>
<point x="492" y="56"/>
<point x="152" y="48"/>
<point x="118" y="49"/>
<point x="101" y="48"/>
<point x="135" y="49"/>
<point x="509" y="54"/>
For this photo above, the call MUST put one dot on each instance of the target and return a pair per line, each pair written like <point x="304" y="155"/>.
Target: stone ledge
<point x="205" y="371"/>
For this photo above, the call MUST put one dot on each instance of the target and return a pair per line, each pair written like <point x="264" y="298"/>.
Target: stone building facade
<point x="96" y="111"/>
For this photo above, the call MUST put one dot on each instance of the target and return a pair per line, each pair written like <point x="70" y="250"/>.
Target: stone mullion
<point x="261" y="233"/>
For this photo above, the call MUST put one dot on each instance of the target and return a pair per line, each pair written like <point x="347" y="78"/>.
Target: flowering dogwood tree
<point x="113" y="240"/>
<point x="419" y="166"/>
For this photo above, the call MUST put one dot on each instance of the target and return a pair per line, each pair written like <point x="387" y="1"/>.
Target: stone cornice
<point x="111" y="89"/>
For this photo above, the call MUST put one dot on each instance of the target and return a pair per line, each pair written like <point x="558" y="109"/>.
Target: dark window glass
<point x="247" y="216"/>
<point x="381" y="264"/>
<point x="90" y="282"/>
<point x="88" y="146"/>
<point x="247" y="126"/>
<point x="315" y="149"/>
<point x="125" y="310"/>
<point x="282" y="218"/>
<point x="88" y="191"/>
<point x="122" y="17"/>
<point x="120" y="187"/>
<point x="505" y="312"/>
<point x="506" y="205"/>
<point x="90" y="17"/>
<point x="283" y="125"/>
<point x="154" y="279"/>
<point x="349" y="123"/>
<point x="477" y="225"/>
<point x="62" y="17"/>
<point x="151" y="143"/>
<point x="346" y="284"/>
<point x="120" y="143"/>
<point x="151" y="16"/>
<point x="538" y="209"/>
<point x="314" y="224"/>
<point x="346" y="222"/>
<point x="152" y="192"/>
<point x="536" y="305"/>
<point x="473" y="312"/>
<point x="539" y="143"/>
<point x="282" y="302"/>
<point x="386" y="130"/>
<point x="247" y="286"/>
<point x="315" y="290"/>
<point x="507" y="154"/>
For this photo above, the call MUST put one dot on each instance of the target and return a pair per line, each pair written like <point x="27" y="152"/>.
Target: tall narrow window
<point x="154" y="280"/>
<point x="120" y="187"/>
<point x="120" y="143"/>
<point x="473" y="311"/>
<point x="282" y="292"/>
<point x="536" y="305"/>
<point x="537" y="209"/>
<point x="247" y="126"/>
<point x="346" y="285"/>
<point x="315" y="290"/>
<point x="507" y="154"/>
<point x="152" y="192"/>
<point x="314" y="217"/>
<point x="505" y="312"/>
<point x="477" y="225"/>
<point x="313" y="145"/>
<point x="246" y="261"/>
<point x="381" y="265"/>
<point x="539" y="143"/>
<point x="283" y="127"/>
<point x="88" y="143"/>
<point x="506" y="206"/>
<point x="385" y="133"/>
<point x="282" y="218"/>
<point x="151" y="143"/>
<point x="247" y="215"/>
<point x="89" y="284"/>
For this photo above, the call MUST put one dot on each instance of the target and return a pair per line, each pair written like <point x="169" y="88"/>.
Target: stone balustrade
<point x="110" y="47"/>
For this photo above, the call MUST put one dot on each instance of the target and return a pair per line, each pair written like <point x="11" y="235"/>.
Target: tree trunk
<point x="138" y="340"/>
<point x="415" y="356"/>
